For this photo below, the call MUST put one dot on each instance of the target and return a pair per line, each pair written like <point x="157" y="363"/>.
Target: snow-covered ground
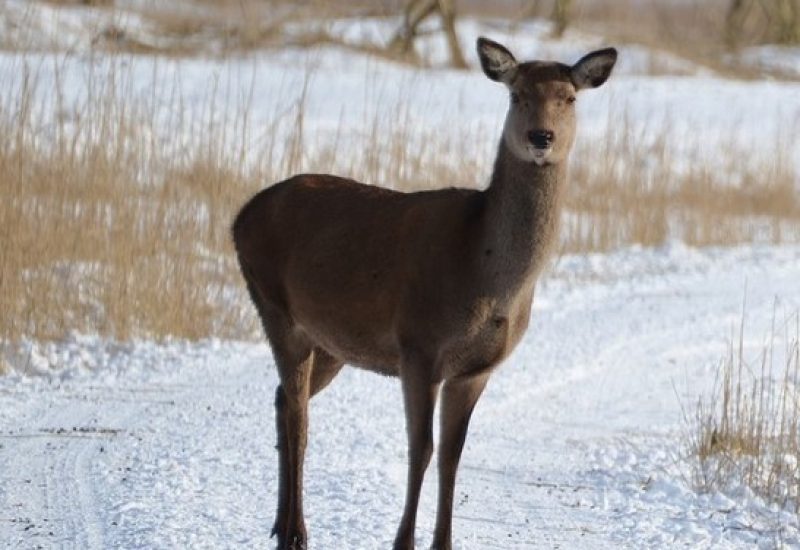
<point x="577" y="443"/>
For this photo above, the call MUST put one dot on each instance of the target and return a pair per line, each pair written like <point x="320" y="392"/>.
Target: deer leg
<point x="325" y="368"/>
<point x="281" y="516"/>
<point x="278" y="331"/>
<point x="459" y="396"/>
<point x="419" y="395"/>
<point x="296" y="389"/>
<point x="294" y="359"/>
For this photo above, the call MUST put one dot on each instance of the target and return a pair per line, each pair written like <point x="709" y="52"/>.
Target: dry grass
<point x="175" y="28"/>
<point x="231" y="27"/>
<point x="747" y="432"/>
<point x="626" y="191"/>
<point x="234" y="26"/>
<point x="108" y="228"/>
<point x="103" y="231"/>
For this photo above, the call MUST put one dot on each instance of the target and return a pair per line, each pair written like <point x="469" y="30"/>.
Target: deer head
<point x="540" y="125"/>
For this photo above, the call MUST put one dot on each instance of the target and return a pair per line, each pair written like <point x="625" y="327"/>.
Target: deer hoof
<point x="296" y="542"/>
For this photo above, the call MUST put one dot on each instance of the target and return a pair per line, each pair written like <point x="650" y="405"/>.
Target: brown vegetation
<point x="106" y="230"/>
<point x="747" y="431"/>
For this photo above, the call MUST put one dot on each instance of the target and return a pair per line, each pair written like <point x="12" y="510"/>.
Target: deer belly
<point x="361" y="346"/>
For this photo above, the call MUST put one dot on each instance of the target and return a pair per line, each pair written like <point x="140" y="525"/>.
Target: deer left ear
<point x="593" y="69"/>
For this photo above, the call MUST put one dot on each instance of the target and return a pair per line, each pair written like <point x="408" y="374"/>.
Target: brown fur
<point x="434" y="287"/>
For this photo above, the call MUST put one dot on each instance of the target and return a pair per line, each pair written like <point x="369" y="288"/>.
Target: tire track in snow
<point x="25" y="498"/>
<point x="52" y="493"/>
<point x="54" y="458"/>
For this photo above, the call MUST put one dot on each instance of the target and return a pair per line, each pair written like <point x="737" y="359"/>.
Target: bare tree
<point x="763" y="21"/>
<point x="784" y="21"/>
<point x="416" y="11"/>
<point x="734" y="22"/>
<point x="562" y="11"/>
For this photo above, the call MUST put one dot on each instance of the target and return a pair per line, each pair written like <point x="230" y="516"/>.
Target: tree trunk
<point x="561" y="16"/>
<point x="417" y="11"/>
<point x="763" y="21"/>
<point x="448" y="10"/>
<point x="786" y="21"/>
<point x="734" y="22"/>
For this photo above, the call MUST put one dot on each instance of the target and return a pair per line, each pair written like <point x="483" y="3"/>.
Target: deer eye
<point x="514" y="98"/>
<point x="571" y="100"/>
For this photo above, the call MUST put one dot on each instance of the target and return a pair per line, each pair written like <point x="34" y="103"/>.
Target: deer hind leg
<point x="294" y="359"/>
<point x="419" y="395"/>
<point x="286" y="350"/>
<point x="459" y="396"/>
<point x="281" y="516"/>
<point x="289" y="525"/>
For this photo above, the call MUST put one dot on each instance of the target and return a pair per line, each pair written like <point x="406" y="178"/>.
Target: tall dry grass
<point x="102" y="230"/>
<point x="746" y="432"/>
<point x="115" y="210"/>
<point x="628" y="189"/>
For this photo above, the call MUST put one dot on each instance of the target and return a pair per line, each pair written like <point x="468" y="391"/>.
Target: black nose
<point x="541" y="139"/>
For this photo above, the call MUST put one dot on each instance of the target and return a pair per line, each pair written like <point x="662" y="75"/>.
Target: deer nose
<point x="541" y="139"/>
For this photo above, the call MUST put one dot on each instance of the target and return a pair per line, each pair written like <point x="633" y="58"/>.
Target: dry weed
<point x="745" y="434"/>
<point x="102" y="228"/>
<point x="107" y="230"/>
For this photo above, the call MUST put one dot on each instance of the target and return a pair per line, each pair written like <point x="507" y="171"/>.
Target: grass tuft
<point x="747" y="431"/>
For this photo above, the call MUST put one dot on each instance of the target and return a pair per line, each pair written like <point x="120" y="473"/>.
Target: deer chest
<point x="491" y="334"/>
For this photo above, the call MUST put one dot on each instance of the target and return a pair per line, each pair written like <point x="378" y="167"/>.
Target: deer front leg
<point x="419" y="395"/>
<point x="459" y="396"/>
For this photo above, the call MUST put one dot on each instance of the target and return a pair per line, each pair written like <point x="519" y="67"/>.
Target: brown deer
<point x="434" y="287"/>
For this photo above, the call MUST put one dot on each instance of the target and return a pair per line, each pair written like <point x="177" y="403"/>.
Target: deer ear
<point x="593" y="69"/>
<point x="496" y="60"/>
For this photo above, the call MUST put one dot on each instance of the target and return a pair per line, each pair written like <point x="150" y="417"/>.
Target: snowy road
<point x="574" y="445"/>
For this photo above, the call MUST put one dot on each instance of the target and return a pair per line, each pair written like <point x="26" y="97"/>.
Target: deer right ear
<point x="496" y="60"/>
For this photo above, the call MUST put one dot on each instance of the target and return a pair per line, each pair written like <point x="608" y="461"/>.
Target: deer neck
<point x="523" y="207"/>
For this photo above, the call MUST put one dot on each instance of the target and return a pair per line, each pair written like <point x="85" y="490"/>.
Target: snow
<point x="785" y="59"/>
<point x="579" y="440"/>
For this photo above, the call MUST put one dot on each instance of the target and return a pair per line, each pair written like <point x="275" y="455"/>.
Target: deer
<point x="433" y="287"/>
